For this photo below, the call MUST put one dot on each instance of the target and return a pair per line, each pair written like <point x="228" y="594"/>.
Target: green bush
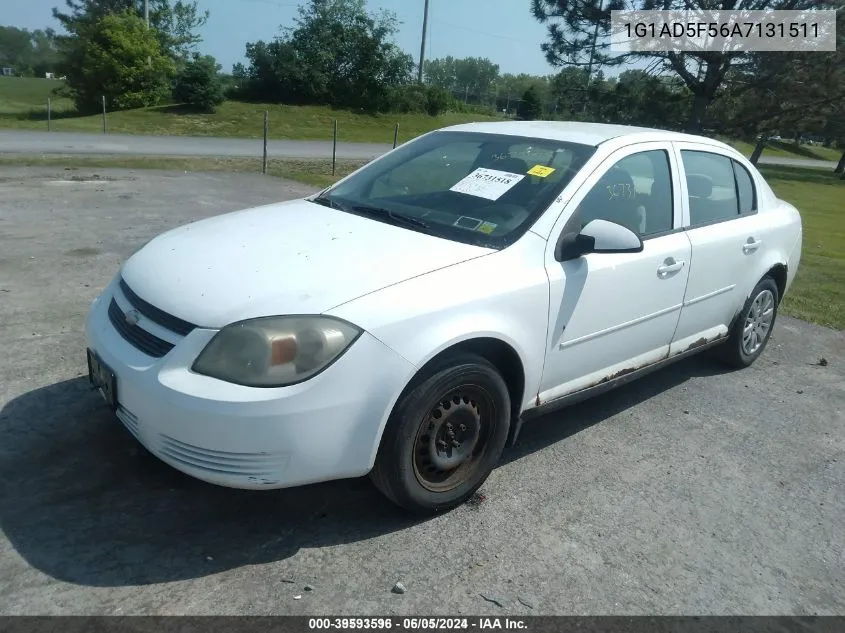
<point x="118" y="58"/>
<point x="198" y="84"/>
<point x="437" y="101"/>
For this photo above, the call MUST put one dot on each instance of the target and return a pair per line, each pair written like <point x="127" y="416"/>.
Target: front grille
<point x="167" y="321"/>
<point x="137" y="336"/>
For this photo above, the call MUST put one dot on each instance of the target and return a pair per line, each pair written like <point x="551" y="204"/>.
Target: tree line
<point x="336" y="52"/>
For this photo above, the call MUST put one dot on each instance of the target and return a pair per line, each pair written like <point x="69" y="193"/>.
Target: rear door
<point x="720" y="216"/>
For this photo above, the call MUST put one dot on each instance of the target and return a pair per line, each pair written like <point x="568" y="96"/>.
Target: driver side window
<point x="636" y="193"/>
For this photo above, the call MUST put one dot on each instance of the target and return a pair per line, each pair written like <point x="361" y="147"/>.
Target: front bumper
<point x="325" y="428"/>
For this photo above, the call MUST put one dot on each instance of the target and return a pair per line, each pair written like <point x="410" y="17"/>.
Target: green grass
<point x="818" y="293"/>
<point x="781" y="149"/>
<point x="23" y="106"/>
<point x="23" y="101"/>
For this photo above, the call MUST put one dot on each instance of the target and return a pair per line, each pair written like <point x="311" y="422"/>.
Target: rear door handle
<point x="669" y="266"/>
<point x="751" y="245"/>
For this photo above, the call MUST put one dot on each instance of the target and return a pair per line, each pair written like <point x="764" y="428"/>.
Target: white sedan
<point x="405" y="321"/>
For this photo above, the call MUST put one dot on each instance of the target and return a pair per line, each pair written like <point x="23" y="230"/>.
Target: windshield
<point x="484" y="189"/>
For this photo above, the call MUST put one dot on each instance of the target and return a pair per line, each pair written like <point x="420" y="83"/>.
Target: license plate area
<point x="103" y="379"/>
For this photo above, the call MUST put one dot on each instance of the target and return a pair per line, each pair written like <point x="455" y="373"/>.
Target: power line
<point x="471" y="30"/>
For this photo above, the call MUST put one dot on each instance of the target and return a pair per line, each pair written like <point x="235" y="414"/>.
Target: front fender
<point x="504" y="296"/>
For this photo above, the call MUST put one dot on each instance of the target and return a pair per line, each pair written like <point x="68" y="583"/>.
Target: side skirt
<point x="585" y="394"/>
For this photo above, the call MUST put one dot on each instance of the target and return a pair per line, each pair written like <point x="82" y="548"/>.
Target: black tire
<point x="733" y="351"/>
<point x="464" y="391"/>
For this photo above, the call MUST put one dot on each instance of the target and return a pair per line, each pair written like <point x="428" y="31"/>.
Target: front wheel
<point x="753" y="326"/>
<point x="445" y="435"/>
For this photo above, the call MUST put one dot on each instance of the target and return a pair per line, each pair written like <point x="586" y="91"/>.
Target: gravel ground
<point x="692" y="491"/>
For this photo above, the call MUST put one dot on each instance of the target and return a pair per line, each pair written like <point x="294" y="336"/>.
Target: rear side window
<point x="745" y="189"/>
<point x="711" y="187"/>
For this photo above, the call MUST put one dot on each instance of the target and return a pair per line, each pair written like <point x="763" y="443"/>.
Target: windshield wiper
<point x="397" y="217"/>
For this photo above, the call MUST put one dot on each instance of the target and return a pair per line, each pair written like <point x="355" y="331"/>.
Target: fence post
<point x="49" y="113"/>
<point x="334" y="147"/>
<point x="395" y="135"/>
<point x="104" y="114"/>
<point x="266" y="132"/>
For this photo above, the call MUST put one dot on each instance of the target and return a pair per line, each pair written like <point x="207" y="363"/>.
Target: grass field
<point x="23" y="106"/>
<point x="788" y="150"/>
<point x="818" y="294"/>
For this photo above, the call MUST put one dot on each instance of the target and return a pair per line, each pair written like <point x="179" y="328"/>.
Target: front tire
<point x="445" y="435"/>
<point x="753" y="326"/>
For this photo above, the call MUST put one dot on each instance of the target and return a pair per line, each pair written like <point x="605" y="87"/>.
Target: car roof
<point x="580" y="132"/>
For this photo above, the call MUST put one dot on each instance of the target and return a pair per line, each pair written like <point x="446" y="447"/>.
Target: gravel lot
<point x="692" y="491"/>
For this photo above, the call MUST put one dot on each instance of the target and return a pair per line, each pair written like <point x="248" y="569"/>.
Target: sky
<point x="502" y="30"/>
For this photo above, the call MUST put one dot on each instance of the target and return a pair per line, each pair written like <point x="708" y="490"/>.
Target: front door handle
<point x="751" y="245"/>
<point x="669" y="266"/>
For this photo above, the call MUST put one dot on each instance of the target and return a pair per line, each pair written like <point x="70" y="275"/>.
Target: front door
<point x="611" y="313"/>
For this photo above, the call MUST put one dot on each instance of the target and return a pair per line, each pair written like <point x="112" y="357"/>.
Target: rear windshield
<point x="482" y="189"/>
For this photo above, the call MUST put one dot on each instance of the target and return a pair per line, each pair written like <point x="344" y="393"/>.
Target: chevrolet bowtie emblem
<point x="132" y="317"/>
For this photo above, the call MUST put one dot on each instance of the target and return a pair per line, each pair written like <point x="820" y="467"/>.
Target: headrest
<point x="616" y="186"/>
<point x="699" y="186"/>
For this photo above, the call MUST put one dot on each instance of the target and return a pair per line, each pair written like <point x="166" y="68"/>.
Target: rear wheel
<point x="445" y="435"/>
<point x="753" y="326"/>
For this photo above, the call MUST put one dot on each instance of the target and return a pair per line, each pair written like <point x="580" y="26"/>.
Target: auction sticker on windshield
<point x="491" y="184"/>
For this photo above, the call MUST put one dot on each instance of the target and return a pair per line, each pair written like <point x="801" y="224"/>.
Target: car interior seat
<point x="613" y="198"/>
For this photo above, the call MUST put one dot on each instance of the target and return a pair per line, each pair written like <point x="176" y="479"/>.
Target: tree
<point x="579" y="34"/>
<point x="440" y="73"/>
<point x="511" y="87"/>
<point x="29" y="53"/>
<point x="337" y="54"/>
<point x="174" y="24"/>
<point x="474" y="77"/>
<point x="789" y="93"/>
<point x="530" y="108"/>
<point x="198" y="84"/>
<point x="120" y="58"/>
<point x="641" y="98"/>
<point x="15" y="48"/>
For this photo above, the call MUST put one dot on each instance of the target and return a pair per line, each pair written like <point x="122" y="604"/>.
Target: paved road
<point x="695" y="490"/>
<point x="29" y="142"/>
<point x="72" y="143"/>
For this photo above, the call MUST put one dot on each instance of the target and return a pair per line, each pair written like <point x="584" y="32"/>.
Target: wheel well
<point x="502" y="356"/>
<point x="778" y="273"/>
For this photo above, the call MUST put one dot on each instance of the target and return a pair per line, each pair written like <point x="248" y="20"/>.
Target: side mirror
<point x="599" y="236"/>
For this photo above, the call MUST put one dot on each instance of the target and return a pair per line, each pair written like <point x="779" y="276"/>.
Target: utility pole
<point x="147" y="12"/>
<point x="422" y="45"/>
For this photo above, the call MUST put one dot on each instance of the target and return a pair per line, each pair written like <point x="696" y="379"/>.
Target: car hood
<point x="293" y="257"/>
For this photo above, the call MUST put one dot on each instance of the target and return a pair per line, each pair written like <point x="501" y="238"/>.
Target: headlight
<point x="275" y="351"/>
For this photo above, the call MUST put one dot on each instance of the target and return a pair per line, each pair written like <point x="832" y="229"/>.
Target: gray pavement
<point x="70" y="143"/>
<point x="695" y="490"/>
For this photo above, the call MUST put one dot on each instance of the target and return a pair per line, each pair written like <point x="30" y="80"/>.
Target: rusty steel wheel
<point x="452" y="438"/>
